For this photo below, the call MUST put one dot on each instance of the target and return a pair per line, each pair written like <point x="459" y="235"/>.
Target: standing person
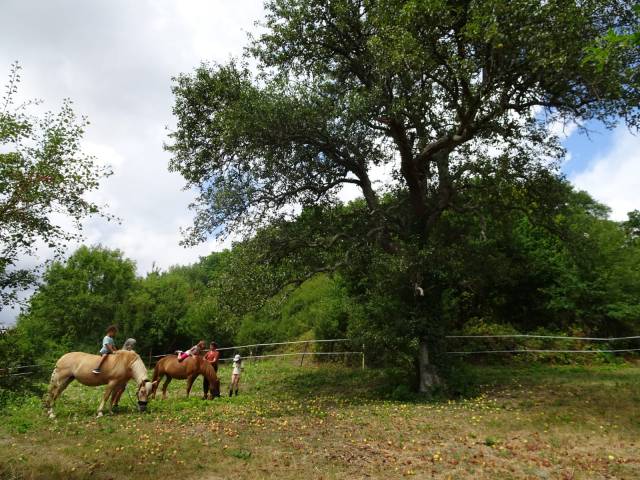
<point x="108" y="346"/>
<point x="128" y="345"/>
<point x="212" y="357"/>
<point x="235" y="375"/>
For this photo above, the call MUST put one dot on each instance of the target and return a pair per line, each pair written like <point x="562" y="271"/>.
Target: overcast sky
<point x="115" y="60"/>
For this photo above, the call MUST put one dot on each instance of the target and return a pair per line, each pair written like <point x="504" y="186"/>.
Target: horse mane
<point x="125" y="356"/>
<point x="206" y="368"/>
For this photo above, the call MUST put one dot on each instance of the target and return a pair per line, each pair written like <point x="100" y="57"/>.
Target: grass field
<point x="330" y="421"/>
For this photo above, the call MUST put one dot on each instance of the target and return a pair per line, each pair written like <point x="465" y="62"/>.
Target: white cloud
<point x="115" y="61"/>
<point x="562" y="129"/>
<point x="614" y="177"/>
<point x="381" y="177"/>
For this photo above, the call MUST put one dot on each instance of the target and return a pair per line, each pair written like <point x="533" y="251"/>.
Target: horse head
<point x="139" y="373"/>
<point x="144" y="390"/>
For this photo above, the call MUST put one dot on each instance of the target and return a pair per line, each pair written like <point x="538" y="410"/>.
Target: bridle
<point x="142" y="403"/>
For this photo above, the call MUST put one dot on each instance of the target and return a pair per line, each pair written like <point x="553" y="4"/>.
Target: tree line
<point x="509" y="265"/>
<point x="474" y="228"/>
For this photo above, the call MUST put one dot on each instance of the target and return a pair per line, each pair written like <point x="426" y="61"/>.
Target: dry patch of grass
<point x="330" y="422"/>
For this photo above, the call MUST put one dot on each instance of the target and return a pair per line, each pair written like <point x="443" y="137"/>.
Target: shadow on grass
<point x="354" y="386"/>
<point x="272" y="387"/>
<point x="607" y="386"/>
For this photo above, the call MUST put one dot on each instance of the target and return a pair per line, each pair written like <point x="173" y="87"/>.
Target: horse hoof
<point x="99" y="414"/>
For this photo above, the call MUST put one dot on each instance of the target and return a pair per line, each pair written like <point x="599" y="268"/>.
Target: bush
<point x="479" y="326"/>
<point x="16" y="351"/>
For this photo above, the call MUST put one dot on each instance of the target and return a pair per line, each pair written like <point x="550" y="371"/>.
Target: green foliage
<point x="42" y="172"/>
<point x="77" y="301"/>
<point x="16" y="350"/>
<point x="153" y="310"/>
<point x="497" y="270"/>
<point x="606" y="50"/>
<point x="425" y="87"/>
<point x="319" y="306"/>
<point x="446" y="95"/>
<point x="241" y="453"/>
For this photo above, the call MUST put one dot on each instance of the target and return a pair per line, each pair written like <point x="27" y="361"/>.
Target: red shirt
<point x="212" y="356"/>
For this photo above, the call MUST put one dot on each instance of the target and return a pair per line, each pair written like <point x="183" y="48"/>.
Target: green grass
<point x="333" y="422"/>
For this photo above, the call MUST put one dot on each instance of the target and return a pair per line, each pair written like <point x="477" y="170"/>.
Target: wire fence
<point x="239" y="347"/>
<point x="9" y="372"/>
<point x="543" y="350"/>
<point x="256" y="345"/>
<point x="556" y="337"/>
<point x="533" y="350"/>
<point x="17" y="370"/>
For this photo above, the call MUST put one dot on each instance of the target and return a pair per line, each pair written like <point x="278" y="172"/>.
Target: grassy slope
<point x="328" y="422"/>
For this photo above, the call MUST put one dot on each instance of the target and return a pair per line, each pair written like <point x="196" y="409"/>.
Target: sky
<point x="115" y="60"/>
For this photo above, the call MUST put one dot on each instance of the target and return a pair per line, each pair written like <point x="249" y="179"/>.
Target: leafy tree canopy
<point x="78" y="299"/>
<point x="424" y="87"/>
<point x="44" y="176"/>
<point x="447" y="95"/>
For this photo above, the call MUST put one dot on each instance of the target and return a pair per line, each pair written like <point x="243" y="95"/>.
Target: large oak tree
<point x="434" y="90"/>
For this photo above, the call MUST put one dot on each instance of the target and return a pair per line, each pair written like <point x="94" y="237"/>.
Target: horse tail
<point x="53" y="385"/>
<point x="158" y="372"/>
<point x="47" y="397"/>
<point x="156" y="369"/>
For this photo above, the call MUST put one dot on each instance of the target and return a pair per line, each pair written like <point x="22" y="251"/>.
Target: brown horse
<point x="188" y="369"/>
<point x="116" y="371"/>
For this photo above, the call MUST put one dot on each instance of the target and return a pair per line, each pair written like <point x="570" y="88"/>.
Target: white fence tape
<point x="595" y="339"/>
<point x="546" y="351"/>
<point x="238" y="347"/>
<point x="284" y="343"/>
<point x="290" y="354"/>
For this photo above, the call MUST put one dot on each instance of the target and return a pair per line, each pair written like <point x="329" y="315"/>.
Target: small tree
<point x="78" y="299"/>
<point x="440" y="92"/>
<point x="44" y="177"/>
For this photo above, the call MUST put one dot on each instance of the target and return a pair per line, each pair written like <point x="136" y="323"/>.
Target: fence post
<point x="363" y="356"/>
<point x="150" y="351"/>
<point x="304" y="353"/>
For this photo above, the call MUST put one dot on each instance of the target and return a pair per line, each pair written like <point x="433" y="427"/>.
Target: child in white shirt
<point x="235" y="375"/>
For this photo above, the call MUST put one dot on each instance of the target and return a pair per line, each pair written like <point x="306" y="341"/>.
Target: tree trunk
<point x="428" y="375"/>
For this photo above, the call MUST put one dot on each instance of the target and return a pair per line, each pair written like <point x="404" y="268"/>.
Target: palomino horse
<point x="116" y="371"/>
<point x="189" y="368"/>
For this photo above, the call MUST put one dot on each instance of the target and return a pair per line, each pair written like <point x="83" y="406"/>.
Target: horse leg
<point x="157" y="376"/>
<point x="57" y="385"/>
<point x="205" y="388"/>
<point x="165" y="385"/>
<point x="108" y="389"/>
<point x="117" y="393"/>
<point x="212" y="385"/>
<point x="190" y="381"/>
<point x="155" y="382"/>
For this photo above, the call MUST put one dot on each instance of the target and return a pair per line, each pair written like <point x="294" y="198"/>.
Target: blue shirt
<point x="107" y="340"/>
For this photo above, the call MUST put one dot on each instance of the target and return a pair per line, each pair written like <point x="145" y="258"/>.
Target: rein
<point x="133" y="402"/>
